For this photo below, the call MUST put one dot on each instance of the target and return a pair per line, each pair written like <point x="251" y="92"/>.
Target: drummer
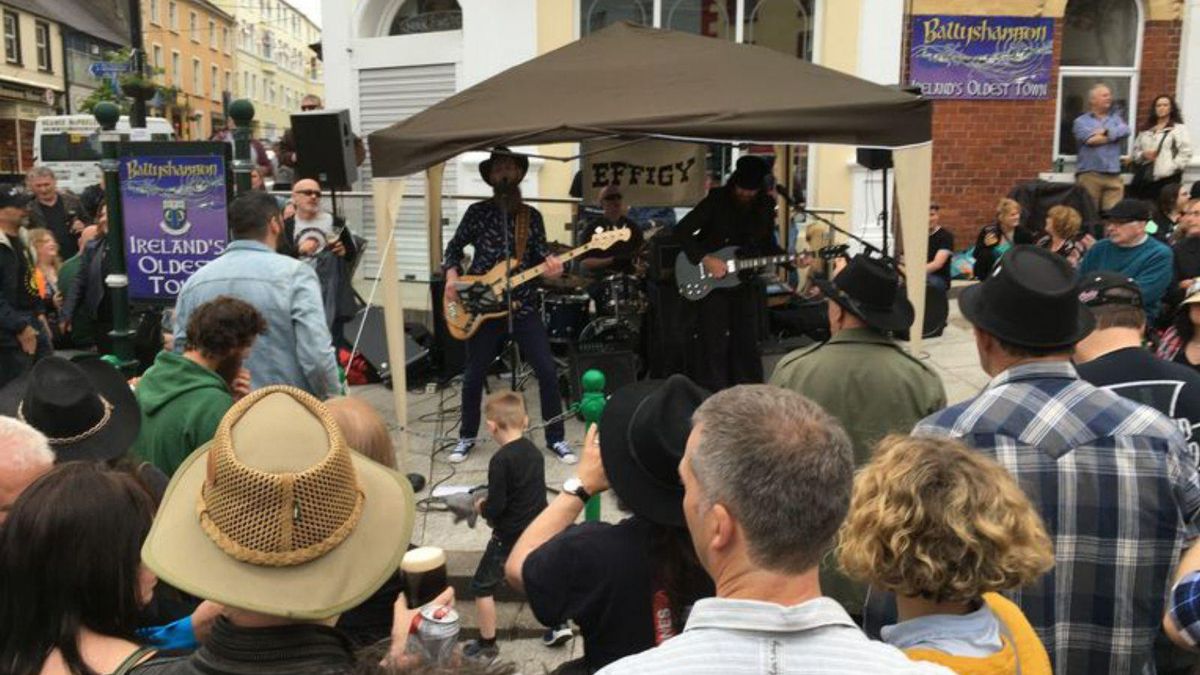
<point x="622" y="256"/>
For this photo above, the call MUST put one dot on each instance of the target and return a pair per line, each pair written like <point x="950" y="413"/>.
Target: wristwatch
<point x="573" y="486"/>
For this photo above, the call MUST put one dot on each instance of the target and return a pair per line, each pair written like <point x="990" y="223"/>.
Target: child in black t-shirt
<point x="516" y="495"/>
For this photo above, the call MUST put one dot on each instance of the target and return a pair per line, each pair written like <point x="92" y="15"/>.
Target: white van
<point x="70" y="145"/>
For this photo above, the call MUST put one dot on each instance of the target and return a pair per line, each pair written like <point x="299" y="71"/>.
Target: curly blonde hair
<point x="1063" y="221"/>
<point x="931" y="518"/>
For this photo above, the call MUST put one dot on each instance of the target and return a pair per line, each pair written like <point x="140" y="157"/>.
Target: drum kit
<point x="594" y="314"/>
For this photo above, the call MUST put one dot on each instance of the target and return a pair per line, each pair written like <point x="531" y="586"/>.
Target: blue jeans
<point x="482" y="349"/>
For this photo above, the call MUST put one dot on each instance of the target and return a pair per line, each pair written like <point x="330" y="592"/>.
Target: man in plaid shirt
<point x="1108" y="475"/>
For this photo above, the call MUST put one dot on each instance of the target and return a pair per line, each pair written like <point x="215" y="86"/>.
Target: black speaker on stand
<point x="876" y="159"/>
<point x="325" y="148"/>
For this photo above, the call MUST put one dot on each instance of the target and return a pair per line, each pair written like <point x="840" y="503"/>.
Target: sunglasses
<point x="613" y="198"/>
<point x="306" y="108"/>
<point x="308" y="193"/>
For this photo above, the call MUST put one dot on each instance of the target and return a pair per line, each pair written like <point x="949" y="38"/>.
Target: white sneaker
<point x="564" y="452"/>
<point x="459" y="454"/>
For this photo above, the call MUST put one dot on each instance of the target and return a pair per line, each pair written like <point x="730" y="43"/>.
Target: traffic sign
<point x="102" y="68"/>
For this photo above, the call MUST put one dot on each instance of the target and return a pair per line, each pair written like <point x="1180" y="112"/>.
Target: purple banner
<point x="981" y="57"/>
<point x="175" y="219"/>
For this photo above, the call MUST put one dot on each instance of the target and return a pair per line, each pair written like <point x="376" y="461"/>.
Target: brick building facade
<point x="983" y="148"/>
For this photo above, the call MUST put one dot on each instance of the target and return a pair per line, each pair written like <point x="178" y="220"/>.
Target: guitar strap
<point x="522" y="233"/>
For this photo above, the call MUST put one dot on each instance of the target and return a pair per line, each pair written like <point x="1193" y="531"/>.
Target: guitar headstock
<point x="607" y="238"/>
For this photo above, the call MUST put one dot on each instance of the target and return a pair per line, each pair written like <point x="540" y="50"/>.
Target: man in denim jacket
<point x="297" y="349"/>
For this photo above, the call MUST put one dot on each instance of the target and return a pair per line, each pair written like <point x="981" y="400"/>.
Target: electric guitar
<point x="695" y="282"/>
<point x="482" y="296"/>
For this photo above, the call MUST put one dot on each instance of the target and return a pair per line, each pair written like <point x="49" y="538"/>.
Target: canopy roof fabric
<point x="630" y="80"/>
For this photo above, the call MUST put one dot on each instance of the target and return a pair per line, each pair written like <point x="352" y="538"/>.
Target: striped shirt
<point x="1185" y="607"/>
<point x="1119" y="499"/>
<point x="733" y="637"/>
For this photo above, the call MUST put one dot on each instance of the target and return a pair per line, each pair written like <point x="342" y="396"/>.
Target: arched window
<point x="783" y="25"/>
<point x="1101" y="44"/>
<point x="598" y="14"/>
<point x="426" y="16"/>
<point x="711" y="18"/>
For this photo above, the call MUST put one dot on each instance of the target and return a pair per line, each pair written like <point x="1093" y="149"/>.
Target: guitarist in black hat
<point x="741" y="214"/>
<point x="483" y="226"/>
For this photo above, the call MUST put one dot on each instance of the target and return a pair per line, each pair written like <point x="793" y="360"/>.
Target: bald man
<point x="322" y="238"/>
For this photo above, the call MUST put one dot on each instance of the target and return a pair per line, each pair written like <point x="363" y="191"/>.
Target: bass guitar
<point x="695" y="282"/>
<point x="483" y="296"/>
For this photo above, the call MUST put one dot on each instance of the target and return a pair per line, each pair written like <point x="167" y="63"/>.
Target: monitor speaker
<point x="875" y="158"/>
<point x="619" y="368"/>
<point x="325" y="148"/>
<point x="449" y="354"/>
<point x="372" y="343"/>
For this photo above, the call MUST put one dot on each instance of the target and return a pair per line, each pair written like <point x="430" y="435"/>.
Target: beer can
<point x="434" y="633"/>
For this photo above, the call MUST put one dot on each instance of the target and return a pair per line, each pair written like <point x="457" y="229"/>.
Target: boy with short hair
<point x="516" y="495"/>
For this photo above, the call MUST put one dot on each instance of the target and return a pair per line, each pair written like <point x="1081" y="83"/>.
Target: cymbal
<point x="566" y="281"/>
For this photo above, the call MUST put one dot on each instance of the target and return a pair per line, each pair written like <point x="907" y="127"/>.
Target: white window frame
<point x="153" y="10"/>
<point x="176" y="69"/>
<point x="215" y="85"/>
<point x="1132" y="72"/>
<point x="197" y="77"/>
<point x="156" y="52"/>
<point x="212" y="34"/>
<point x="225" y="44"/>
<point x="41" y="47"/>
<point x="173" y="16"/>
<point x="14" y="38"/>
<point x="193" y="27"/>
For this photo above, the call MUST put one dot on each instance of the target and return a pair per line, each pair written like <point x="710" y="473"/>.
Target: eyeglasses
<point x="613" y="198"/>
<point x="306" y="108"/>
<point x="308" y="193"/>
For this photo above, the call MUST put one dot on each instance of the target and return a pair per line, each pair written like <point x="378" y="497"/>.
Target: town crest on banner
<point x="649" y="172"/>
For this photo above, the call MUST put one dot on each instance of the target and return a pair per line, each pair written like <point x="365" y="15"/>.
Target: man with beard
<point x="184" y="396"/>
<point x="483" y="226"/>
<point x="737" y="214"/>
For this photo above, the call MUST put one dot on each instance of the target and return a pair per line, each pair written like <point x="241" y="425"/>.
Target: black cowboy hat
<point x="869" y="288"/>
<point x="85" y="409"/>
<point x="643" y="433"/>
<point x="500" y="151"/>
<point x="1030" y="300"/>
<point x="750" y="173"/>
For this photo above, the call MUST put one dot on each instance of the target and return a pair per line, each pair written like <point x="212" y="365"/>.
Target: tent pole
<point x="913" y="168"/>
<point x="388" y="193"/>
<point x="433" y="206"/>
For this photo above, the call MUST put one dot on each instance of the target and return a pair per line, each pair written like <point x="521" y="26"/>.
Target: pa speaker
<point x="875" y="158"/>
<point x="325" y="148"/>
<point x="619" y="368"/>
<point x="372" y="343"/>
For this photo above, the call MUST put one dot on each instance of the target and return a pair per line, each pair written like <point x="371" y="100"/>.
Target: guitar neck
<point x="744" y="263"/>
<point x="537" y="270"/>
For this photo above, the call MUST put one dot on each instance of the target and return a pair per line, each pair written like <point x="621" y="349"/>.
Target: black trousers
<point x="482" y="349"/>
<point x="727" y="339"/>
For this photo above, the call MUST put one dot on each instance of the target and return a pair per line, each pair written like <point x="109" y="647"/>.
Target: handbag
<point x="1143" y="173"/>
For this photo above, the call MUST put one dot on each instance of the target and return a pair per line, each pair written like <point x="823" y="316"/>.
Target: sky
<point x="311" y="9"/>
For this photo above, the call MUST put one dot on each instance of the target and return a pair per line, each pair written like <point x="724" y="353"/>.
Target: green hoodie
<point x="182" y="403"/>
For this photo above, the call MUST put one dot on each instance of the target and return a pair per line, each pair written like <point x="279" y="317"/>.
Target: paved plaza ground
<point x="952" y="356"/>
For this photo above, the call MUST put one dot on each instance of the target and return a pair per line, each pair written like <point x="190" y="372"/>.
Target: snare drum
<point x="564" y="315"/>
<point x="620" y="294"/>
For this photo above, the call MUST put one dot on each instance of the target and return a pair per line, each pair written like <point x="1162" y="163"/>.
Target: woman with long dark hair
<point x="1165" y="144"/>
<point x="71" y="578"/>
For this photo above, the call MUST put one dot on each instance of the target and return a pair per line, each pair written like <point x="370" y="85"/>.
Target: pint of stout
<point x="424" y="574"/>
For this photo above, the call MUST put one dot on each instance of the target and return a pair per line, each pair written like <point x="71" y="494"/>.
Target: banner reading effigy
<point x="649" y="172"/>
<point x="173" y="199"/>
<point x="981" y="57"/>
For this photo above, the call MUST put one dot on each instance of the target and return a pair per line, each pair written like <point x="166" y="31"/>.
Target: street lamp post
<point x="117" y="280"/>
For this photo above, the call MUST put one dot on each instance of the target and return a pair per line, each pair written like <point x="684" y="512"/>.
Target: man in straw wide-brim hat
<point x="278" y="521"/>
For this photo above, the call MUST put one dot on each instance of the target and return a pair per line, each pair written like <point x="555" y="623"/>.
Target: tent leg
<point x="387" y="195"/>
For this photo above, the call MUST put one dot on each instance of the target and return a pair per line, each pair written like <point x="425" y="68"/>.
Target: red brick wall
<point x="981" y="149"/>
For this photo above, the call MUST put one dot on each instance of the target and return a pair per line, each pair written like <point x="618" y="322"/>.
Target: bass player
<point x="741" y="214"/>
<point x="482" y="226"/>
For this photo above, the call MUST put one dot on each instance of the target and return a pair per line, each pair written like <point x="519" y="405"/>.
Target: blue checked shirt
<point x="1110" y="479"/>
<point x="482" y="227"/>
<point x="1185" y="607"/>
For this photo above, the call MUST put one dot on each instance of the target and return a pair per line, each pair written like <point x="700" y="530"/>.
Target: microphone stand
<point x="514" y="358"/>
<point x="867" y="246"/>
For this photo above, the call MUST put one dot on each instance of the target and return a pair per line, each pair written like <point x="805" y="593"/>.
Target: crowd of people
<point x="230" y="511"/>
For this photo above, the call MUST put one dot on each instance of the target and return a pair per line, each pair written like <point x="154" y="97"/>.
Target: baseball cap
<point x="12" y="196"/>
<point x="1109" y="288"/>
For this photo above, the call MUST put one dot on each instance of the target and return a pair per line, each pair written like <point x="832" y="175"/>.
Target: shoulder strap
<point x="522" y="232"/>
<point x="134" y="659"/>
<point x="1166" y="132"/>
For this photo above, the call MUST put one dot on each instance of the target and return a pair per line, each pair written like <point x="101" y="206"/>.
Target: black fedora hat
<point x="500" y="151"/>
<point x="1030" y="300"/>
<point x="869" y="288"/>
<point x="86" y="410"/>
<point x="643" y="433"/>
<point x="750" y="172"/>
